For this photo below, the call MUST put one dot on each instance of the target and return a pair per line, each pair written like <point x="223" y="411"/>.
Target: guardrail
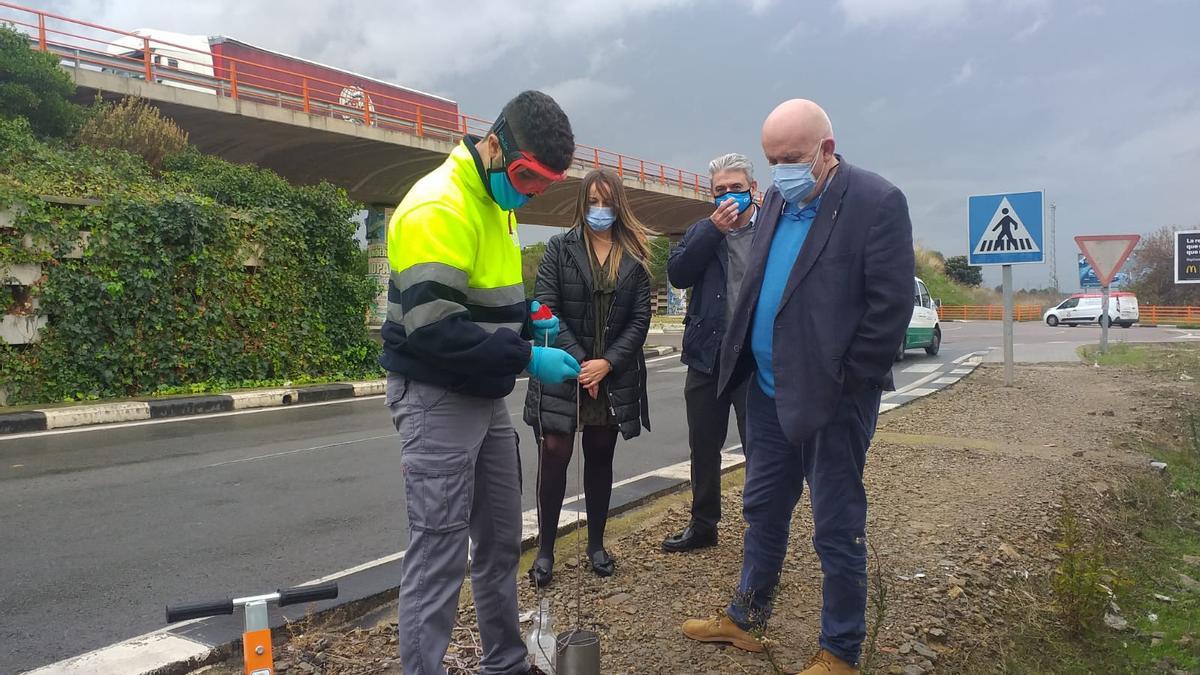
<point x="1168" y="314"/>
<point x="988" y="312"/>
<point x="1149" y="314"/>
<point x="84" y="45"/>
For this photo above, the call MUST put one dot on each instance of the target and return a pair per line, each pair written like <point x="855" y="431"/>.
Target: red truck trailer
<point x="299" y="83"/>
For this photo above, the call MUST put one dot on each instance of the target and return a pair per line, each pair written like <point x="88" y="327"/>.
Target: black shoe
<point x="542" y="572"/>
<point x="690" y="539"/>
<point x="603" y="564"/>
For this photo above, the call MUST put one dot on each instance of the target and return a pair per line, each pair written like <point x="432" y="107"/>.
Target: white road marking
<point x="923" y="368"/>
<point x="912" y="385"/>
<point x="296" y="451"/>
<point x="908" y="388"/>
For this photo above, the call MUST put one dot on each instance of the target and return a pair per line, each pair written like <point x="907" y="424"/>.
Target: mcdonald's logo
<point x="1192" y="269"/>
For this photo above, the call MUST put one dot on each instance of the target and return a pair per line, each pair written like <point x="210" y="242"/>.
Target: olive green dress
<point x="596" y="411"/>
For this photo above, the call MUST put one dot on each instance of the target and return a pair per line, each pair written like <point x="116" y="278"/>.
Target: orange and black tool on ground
<point x="256" y="639"/>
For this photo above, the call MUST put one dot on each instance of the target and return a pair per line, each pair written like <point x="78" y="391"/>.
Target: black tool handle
<point x="299" y="594"/>
<point x="196" y="610"/>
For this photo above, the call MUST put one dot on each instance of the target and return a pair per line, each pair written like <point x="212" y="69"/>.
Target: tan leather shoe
<point x="721" y="629"/>
<point x="825" y="663"/>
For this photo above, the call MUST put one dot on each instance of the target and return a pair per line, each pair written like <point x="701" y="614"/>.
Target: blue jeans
<point x="832" y="463"/>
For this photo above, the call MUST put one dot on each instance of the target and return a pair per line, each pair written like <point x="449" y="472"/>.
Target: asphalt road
<point x="1035" y="342"/>
<point x="100" y="528"/>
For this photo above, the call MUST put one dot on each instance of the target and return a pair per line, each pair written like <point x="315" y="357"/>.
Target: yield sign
<point x="1107" y="252"/>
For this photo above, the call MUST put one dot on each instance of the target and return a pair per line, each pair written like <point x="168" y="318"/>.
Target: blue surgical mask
<point x="743" y="200"/>
<point x="503" y="191"/>
<point x="600" y="218"/>
<point x="795" y="181"/>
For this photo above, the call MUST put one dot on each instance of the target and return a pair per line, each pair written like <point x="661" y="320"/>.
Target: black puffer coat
<point x="564" y="282"/>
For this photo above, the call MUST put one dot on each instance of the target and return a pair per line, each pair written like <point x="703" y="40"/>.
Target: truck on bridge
<point x="225" y="66"/>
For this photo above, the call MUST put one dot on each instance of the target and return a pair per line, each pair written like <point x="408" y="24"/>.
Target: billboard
<point x="1187" y="257"/>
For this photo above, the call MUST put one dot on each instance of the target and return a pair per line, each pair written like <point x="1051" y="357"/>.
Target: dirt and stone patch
<point x="966" y="487"/>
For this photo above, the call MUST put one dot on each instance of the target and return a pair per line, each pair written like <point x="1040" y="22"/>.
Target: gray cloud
<point x="584" y="92"/>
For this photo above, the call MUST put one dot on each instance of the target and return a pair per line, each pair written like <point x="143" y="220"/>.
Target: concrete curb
<point x="152" y="409"/>
<point x="184" y="647"/>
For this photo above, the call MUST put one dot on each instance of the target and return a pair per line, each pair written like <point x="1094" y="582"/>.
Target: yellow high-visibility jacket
<point x="457" y="313"/>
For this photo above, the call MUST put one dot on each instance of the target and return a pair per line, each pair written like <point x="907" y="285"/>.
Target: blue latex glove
<point x="552" y="365"/>
<point x="545" y="331"/>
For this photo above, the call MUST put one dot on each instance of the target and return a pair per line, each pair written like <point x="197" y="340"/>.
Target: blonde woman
<point x="595" y="279"/>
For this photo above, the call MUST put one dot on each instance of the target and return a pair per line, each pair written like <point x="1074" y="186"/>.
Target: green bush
<point x="660" y="250"/>
<point x="931" y="268"/>
<point x="1080" y="578"/>
<point x="961" y="273"/>
<point x="531" y="259"/>
<point x="135" y="126"/>
<point x="32" y="86"/>
<point x="161" y="297"/>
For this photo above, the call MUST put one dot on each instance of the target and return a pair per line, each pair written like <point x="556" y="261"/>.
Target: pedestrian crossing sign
<point x="1006" y="229"/>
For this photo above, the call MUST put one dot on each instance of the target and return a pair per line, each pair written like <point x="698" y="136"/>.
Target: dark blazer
<point x="846" y="305"/>
<point x="564" y="282"/>
<point x="700" y="262"/>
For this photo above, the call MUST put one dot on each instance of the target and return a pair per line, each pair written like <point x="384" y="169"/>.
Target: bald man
<point x="829" y="283"/>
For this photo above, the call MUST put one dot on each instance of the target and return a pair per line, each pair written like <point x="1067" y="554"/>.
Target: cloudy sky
<point x="1095" y="101"/>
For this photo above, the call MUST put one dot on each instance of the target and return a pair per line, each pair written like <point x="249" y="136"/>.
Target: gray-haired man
<point x="711" y="260"/>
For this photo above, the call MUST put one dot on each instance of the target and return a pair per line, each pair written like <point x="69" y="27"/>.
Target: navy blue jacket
<point x="699" y="262"/>
<point x="846" y="305"/>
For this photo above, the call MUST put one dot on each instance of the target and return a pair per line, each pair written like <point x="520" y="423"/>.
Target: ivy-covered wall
<point x="161" y="298"/>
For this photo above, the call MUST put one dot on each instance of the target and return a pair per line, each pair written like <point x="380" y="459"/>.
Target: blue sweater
<point x="790" y="234"/>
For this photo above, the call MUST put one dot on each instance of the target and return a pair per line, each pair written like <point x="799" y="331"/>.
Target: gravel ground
<point x="965" y="486"/>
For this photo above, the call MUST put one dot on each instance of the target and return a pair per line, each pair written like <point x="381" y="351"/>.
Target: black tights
<point x="598" y="446"/>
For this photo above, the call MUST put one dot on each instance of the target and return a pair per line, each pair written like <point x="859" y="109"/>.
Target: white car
<point x="924" y="330"/>
<point x="1084" y="308"/>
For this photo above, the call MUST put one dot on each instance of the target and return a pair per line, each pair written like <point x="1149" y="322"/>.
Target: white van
<point x="1084" y="308"/>
<point x="924" y="330"/>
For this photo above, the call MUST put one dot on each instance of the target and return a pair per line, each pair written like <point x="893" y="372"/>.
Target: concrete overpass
<point x="376" y="166"/>
<point x="284" y="113"/>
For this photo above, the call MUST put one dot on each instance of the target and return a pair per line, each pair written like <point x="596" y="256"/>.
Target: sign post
<point x="1187" y="257"/>
<point x="1006" y="229"/>
<point x="1106" y="253"/>
<point x="1008" y="324"/>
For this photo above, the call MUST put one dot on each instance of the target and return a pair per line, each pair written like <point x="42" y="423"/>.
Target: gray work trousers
<point x="462" y="477"/>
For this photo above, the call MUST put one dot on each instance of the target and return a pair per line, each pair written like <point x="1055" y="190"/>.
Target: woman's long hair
<point x="629" y="235"/>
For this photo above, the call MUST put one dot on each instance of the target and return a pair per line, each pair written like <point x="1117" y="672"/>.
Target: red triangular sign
<point x="1107" y="252"/>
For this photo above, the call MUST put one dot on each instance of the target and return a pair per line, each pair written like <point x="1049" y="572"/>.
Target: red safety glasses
<point x="528" y="175"/>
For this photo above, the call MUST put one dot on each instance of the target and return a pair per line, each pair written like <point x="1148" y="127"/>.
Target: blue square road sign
<point x="1006" y="229"/>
